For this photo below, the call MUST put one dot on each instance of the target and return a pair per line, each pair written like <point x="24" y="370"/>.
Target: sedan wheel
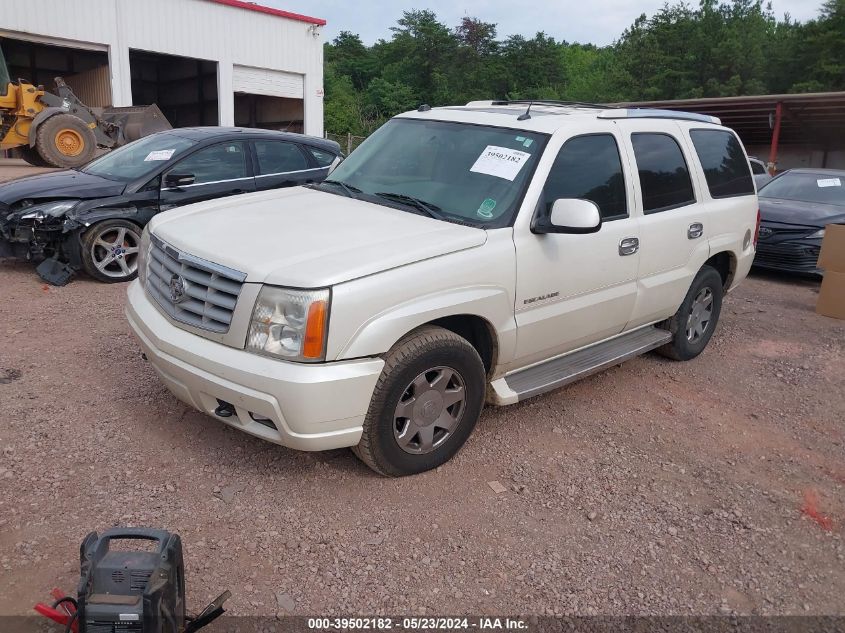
<point x="111" y="250"/>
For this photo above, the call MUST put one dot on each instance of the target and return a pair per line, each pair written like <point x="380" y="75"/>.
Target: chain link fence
<point x="347" y="142"/>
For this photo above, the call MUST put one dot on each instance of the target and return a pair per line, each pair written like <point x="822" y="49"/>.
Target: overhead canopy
<point x="816" y="118"/>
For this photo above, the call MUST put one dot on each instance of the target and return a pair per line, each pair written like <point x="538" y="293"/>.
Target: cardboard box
<point x="832" y="295"/>
<point x="832" y="255"/>
<point x="832" y="259"/>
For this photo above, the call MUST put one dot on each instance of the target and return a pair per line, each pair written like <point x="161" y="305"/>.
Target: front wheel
<point x="696" y="319"/>
<point x="110" y="250"/>
<point x="425" y="405"/>
<point x="65" y="141"/>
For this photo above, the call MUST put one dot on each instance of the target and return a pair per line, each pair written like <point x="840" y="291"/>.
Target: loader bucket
<point x="136" y="121"/>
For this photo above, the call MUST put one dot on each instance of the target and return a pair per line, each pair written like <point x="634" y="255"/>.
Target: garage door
<point x="261" y="81"/>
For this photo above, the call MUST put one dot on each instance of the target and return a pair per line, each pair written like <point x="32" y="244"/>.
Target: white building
<point x="204" y="62"/>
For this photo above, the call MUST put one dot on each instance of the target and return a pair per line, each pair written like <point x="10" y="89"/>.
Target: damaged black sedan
<point x="91" y="218"/>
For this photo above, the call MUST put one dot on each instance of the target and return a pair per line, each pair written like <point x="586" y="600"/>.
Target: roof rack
<point x="653" y="113"/>
<point x="551" y="102"/>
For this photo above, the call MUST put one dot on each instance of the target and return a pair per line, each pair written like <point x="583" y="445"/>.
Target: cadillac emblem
<point x="178" y="289"/>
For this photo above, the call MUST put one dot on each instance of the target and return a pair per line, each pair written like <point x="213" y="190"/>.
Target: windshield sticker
<point x="527" y="142"/>
<point x="486" y="208"/>
<point x="160" y="154"/>
<point x="500" y="162"/>
<point x="829" y="182"/>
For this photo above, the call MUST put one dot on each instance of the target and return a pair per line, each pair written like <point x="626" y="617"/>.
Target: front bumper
<point x="310" y="407"/>
<point x="798" y="256"/>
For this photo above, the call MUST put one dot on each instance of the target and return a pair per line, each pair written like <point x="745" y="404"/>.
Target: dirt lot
<point x="15" y="168"/>
<point x="653" y="488"/>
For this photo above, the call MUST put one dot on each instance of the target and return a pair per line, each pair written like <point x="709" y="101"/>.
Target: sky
<point x="597" y="22"/>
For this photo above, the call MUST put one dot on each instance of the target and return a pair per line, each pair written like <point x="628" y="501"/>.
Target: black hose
<point x="66" y="599"/>
<point x="70" y="622"/>
<point x="75" y="614"/>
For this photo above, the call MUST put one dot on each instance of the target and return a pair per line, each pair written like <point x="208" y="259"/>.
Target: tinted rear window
<point x="724" y="163"/>
<point x="664" y="177"/>
<point x="323" y="158"/>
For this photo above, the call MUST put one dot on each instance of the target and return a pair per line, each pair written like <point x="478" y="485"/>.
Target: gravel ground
<point x="653" y="488"/>
<point x="11" y="168"/>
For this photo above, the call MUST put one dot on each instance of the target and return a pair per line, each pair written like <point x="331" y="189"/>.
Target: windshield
<point x="454" y="171"/>
<point x="138" y="159"/>
<point x="819" y="187"/>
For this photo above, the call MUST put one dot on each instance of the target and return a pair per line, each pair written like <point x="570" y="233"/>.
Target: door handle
<point x="695" y="230"/>
<point x="629" y="246"/>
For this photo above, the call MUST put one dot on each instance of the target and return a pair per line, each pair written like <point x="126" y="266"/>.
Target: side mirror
<point x="178" y="180"/>
<point x="569" y="215"/>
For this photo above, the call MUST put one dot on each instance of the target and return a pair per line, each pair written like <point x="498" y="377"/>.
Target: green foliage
<point x="721" y="48"/>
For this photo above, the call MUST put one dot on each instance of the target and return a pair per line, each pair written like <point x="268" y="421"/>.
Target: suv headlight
<point x="143" y="254"/>
<point x="819" y="234"/>
<point x="290" y="324"/>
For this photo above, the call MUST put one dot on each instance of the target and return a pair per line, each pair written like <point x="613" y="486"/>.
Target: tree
<point x="719" y="48"/>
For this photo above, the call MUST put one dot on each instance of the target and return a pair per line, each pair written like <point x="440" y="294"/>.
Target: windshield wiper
<point x="432" y="210"/>
<point x="350" y="190"/>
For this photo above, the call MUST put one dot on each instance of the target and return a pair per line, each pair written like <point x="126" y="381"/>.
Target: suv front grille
<point x="192" y="290"/>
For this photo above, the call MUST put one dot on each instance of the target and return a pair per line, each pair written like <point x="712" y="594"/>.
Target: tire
<point x="414" y="372"/>
<point x="64" y="140"/>
<point x="696" y="320"/>
<point x="31" y="155"/>
<point x="110" y="251"/>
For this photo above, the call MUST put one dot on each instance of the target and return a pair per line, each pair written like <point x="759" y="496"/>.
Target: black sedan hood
<point x="799" y="212"/>
<point x="60" y="184"/>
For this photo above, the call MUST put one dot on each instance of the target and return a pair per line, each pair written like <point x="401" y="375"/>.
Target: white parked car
<point x="759" y="172"/>
<point x="461" y="254"/>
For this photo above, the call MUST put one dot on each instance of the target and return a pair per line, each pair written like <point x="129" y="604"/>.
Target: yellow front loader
<point x="58" y="130"/>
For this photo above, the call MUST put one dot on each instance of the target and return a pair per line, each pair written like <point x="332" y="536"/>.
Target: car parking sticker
<point x="486" y="208"/>
<point x="500" y="162"/>
<point x="829" y="182"/>
<point x="160" y="154"/>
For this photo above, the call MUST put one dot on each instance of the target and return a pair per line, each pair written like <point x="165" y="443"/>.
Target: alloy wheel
<point x="701" y="312"/>
<point x="429" y="411"/>
<point x="115" y="251"/>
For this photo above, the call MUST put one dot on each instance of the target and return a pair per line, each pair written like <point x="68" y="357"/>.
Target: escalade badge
<point x="764" y="231"/>
<point x="178" y="289"/>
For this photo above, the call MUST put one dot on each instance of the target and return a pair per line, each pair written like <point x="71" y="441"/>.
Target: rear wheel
<point x="110" y="250"/>
<point x="425" y="405"/>
<point x="31" y="155"/>
<point x="64" y="140"/>
<point x="696" y="319"/>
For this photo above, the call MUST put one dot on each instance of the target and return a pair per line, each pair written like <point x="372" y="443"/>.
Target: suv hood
<point x="308" y="239"/>
<point x="59" y="184"/>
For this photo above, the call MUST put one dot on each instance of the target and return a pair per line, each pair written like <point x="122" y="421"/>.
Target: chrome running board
<point x="563" y="370"/>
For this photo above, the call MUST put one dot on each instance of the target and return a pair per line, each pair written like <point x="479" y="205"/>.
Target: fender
<point x="42" y="116"/>
<point x="491" y="303"/>
<point x="140" y="209"/>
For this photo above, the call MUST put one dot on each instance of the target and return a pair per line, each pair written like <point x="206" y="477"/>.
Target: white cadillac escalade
<point x="490" y="252"/>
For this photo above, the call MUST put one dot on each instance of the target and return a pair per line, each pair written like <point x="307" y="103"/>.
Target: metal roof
<point x="811" y="118"/>
<point x="259" y="8"/>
